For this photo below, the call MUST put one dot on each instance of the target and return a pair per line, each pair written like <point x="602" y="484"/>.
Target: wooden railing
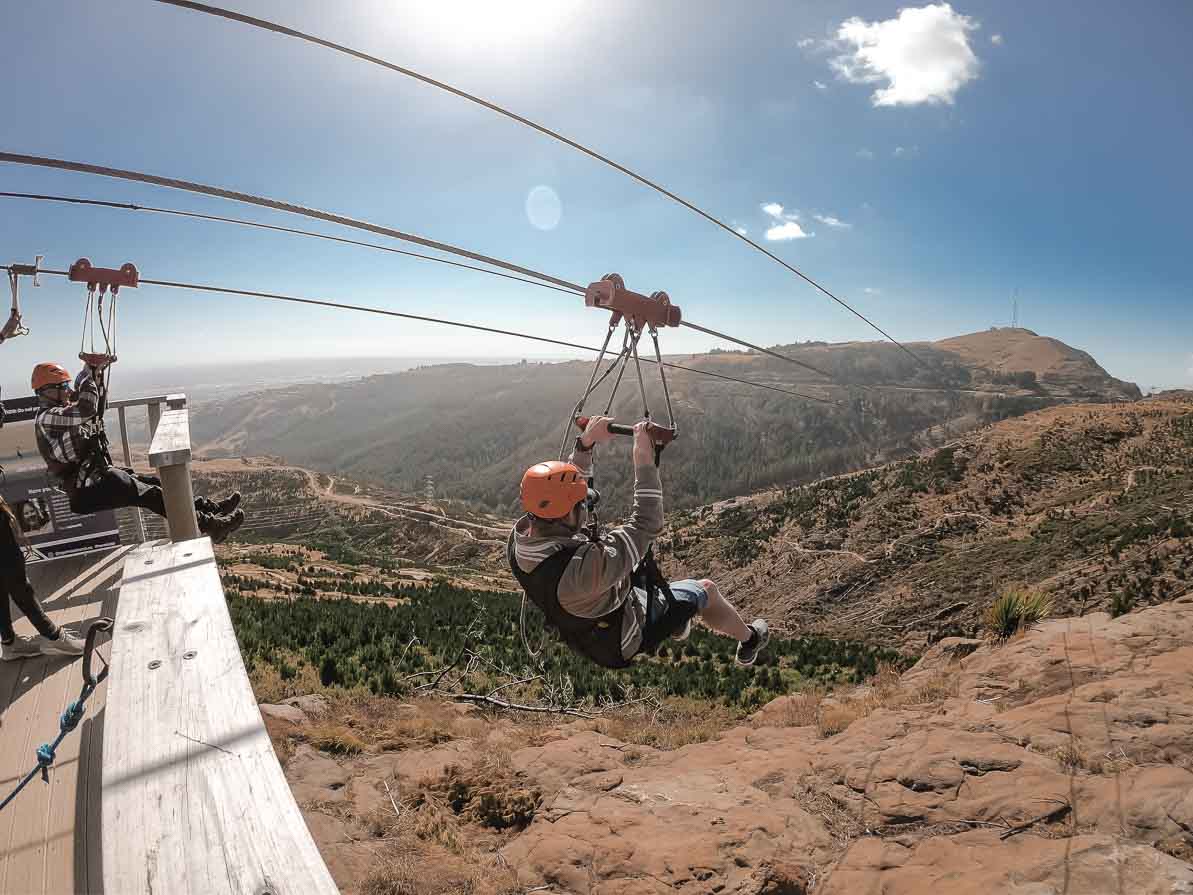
<point x="194" y="801"/>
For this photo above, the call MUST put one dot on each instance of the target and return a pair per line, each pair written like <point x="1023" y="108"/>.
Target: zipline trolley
<point x="636" y="314"/>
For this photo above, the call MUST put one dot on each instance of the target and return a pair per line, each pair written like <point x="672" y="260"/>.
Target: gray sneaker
<point x="684" y="632"/>
<point x="21" y="648"/>
<point x="68" y="644"/>
<point x="748" y="652"/>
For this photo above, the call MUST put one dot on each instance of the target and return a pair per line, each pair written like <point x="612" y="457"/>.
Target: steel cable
<point x="542" y="129"/>
<point x="330" y="217"/>
<point x="273" y="296"/>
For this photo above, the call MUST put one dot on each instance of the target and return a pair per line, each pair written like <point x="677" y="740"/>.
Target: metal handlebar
<point x="658" y="434"/>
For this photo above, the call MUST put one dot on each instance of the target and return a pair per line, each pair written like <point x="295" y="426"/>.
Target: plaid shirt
<point x="61" y="435"/>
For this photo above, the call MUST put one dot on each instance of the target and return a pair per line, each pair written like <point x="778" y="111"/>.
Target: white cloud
<point x="785" y="231"/>
<point x="829" y="221"/>
<point x="923" y="55"/>
<point x="870" y="290"/>
<point x="819" y="85"/>
<point x="740" y="230"/>
<point x="899" y="150"/>
<point x="785" y="224"/>
<point x="906" y="151"/>
<point x="866" y="154"/>
<point x="804" y="42"/>
<point x="996" y="39"/>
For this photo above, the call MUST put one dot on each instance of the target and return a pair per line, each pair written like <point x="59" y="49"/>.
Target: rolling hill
<point x="475" y="428"/>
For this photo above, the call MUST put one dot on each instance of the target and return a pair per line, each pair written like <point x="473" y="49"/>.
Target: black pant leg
<point x="14" y="584"/>
<point x="115" y="489"/>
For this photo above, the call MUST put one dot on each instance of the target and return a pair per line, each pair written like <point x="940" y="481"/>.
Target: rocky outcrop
<point x="1063" y="764"/>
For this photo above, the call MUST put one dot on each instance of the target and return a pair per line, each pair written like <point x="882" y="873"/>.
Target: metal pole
<point x="128" y="461"/>
<point x="155" y="417"/>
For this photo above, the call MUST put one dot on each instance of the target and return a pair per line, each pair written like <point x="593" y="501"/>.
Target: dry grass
<point x="359" y="722"/>
<point x="334" y="737"/>
<point x="679" y="722"/>
<point x="414" y="867"/>
<point x="1070" y="756"/>
<point x="832" y="713"/>
<point x="487" y="792"/>
<point x="269" y="686"/>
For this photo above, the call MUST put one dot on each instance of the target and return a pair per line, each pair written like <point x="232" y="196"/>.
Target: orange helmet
<point x="49" y="374"/>
<point x="551" y="489"/>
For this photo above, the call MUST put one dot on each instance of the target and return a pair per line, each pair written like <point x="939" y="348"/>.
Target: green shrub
<point x="1017" y="609"/>
<point x="1121" y="603"/>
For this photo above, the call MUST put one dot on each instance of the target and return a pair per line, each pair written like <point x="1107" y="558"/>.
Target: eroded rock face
<point x="1063" y="764"/>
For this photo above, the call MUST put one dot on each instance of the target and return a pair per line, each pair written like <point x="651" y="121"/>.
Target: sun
<point x="492" y="22"/>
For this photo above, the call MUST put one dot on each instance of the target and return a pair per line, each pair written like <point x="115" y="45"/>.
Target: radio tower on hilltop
<point x="429" y="488"/>
<point x="1015" y="309"/>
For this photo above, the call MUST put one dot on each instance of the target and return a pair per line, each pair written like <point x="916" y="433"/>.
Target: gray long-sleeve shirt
<point x="596" y="580"/>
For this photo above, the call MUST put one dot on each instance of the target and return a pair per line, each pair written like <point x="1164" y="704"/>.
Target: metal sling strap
<point x="14" y="327"/>
<point x="73" y="713"/>
<point x="99" y="281"/>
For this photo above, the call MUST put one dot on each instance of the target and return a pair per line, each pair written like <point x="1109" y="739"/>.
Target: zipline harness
<point x="72" y="715"/>
<point x="102" y="283"/>
<point x="635" y="313"/>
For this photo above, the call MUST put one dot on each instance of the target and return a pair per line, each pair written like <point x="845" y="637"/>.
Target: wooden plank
<point x="146" y="401"/>
<point x="44" y="829"/>
<point x="194" y="800"/>
<point x="171" y="445"/>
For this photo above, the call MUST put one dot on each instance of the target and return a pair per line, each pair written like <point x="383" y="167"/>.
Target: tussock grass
<point x="338" y="739"/>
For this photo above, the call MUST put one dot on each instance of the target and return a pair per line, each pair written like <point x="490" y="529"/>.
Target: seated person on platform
<point x="75" y="450"/>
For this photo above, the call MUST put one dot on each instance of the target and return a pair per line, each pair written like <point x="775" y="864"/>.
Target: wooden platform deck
<point x="49" y="842"/>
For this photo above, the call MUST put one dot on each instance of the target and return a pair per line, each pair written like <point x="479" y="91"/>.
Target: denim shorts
<point x="691" y="591"/>
<point x="690" y="599"/>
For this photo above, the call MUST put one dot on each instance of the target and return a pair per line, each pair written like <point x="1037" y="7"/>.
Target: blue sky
<point x="934" y="159"/>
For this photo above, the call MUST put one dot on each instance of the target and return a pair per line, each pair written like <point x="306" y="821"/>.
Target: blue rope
<point x="68" y="721"/>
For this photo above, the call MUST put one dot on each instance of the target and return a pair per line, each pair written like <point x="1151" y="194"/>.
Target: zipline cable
<point x="542" y="129"/>
<point x="330" y="217"/>
<point x="130" y="206"/>
<point x="273" y="296"/>
<point x="277" y="205"/>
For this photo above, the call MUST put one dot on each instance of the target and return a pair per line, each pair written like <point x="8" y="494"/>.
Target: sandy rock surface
<point x="1080" y="732"/>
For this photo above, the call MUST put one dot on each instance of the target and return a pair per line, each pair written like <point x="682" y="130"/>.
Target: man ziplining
<point x="588" y="589"/>
<point x="75" y="452"/>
